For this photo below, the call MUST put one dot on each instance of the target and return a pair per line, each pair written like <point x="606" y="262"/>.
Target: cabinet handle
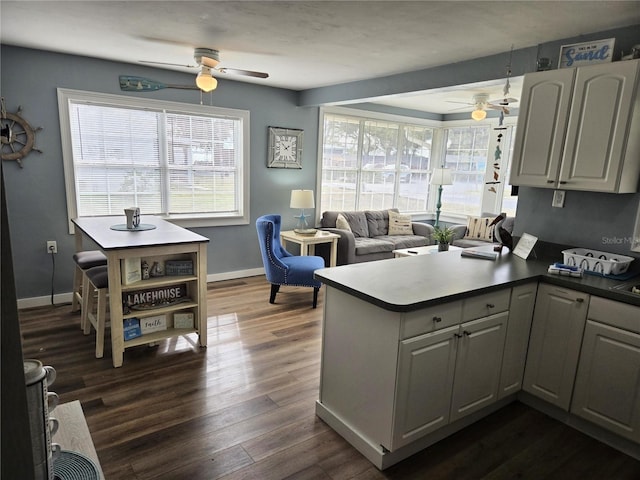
<point x="437" y="319"/>
<point x="562" y="182"/>
<point x="466" y="333"/>
<point x="457" y="335"/>
<point x="551" y="181"/>
<point x="579" y="300"/>
<point x="490" y="305"/>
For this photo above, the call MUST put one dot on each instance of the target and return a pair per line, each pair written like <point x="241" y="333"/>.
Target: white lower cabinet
<point x="523" y="300"/>
<point x="607" y="389"/>
<point x="447" y="374"/>
<point x="425" y="383"/>
<point x="554" y="345"/>
<point x="478" y="362"/>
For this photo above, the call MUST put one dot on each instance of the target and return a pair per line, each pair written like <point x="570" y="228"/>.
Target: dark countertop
<point x="411" y="283"/>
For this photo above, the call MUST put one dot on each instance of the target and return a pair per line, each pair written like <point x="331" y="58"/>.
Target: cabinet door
<point x="477" y="374"/>
<point x="425" y="379"/>
<point x="607" y="389"/>
<point x="542" y="123"/>
<point x="597" y="132"/>
<point x="523" y="299"/>
<point x="554" y="345"/>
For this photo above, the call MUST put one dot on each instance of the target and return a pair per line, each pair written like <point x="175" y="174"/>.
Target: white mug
<point x="133" y="217"/>
<point x="52" y="401"/>
<point x="56" y="450"/>
<point x="53" y="425"/>
<point x="51" y="375"/>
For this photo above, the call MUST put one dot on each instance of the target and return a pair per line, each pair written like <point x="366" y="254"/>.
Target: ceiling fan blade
<point x="140" y="84"/>
<point x="169" y="63"/>
<point x="503" y="109"/>
<point x="460" y="108"/>
<point x="247" y="73"/>
<point x="461" y="103"/>
<point x="503" y="101"/>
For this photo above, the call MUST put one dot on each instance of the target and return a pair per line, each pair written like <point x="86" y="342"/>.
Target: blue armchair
<point x="281" y="267"/>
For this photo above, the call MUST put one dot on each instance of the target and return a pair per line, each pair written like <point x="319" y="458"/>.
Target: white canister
<point x="39" y="403"/>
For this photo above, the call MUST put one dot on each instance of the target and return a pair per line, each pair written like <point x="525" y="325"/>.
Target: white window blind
<point x="182" y="163"/>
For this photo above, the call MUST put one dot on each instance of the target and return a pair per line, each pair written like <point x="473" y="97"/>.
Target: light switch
<point x="558" y="198"/>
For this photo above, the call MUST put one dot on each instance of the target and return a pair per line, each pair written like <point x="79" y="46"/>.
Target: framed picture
<point x="285" y="148"/>
<point x="586" y="53"/>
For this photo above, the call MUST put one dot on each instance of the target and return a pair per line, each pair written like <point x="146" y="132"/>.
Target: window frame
<point x="363" y="116"/>
<point x="437" y="151"/>
<point x="240" y="217"/>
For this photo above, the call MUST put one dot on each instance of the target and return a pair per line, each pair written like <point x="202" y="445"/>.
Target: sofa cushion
<point x="405" y="241"/>
<point x="365" y="246"/>
<point x="377" y="222"/>
<point x="400" y="224"/>
<point x="342" y="223"/>
<point x="479" y="228"/>
<point x="358" y="223"/>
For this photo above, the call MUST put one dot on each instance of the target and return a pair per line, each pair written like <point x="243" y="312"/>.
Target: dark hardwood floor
<point x="243" y="408"/>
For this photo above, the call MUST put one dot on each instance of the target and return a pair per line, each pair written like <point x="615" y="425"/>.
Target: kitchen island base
<point x="387" y="383"/>
<point x="383" y="458"/>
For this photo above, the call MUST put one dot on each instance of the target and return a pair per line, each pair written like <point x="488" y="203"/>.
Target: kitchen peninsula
<point x="417" y="348"/>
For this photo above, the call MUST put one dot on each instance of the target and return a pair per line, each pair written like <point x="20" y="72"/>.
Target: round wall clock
<point x="17" y="136"/>
<point x="285" y="148"/>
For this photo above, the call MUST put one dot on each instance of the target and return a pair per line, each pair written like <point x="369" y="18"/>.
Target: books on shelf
<point x="131" y="271"/>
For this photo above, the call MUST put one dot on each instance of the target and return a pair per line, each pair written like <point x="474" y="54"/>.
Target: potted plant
<point x="443" y="235"/>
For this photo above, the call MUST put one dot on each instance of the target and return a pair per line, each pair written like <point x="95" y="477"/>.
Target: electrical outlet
<point x="558" y="199"/>
<point x="52" y="246"/>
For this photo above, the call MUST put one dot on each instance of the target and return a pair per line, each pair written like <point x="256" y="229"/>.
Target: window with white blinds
<point x="183" y="162"/>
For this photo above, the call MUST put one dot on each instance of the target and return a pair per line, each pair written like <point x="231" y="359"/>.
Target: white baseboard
<point x="218" y="277"/>
<point x="62" y="298"/>
<point x="59" y="298"/>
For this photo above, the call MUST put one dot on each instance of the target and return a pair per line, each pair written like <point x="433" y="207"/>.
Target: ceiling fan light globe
<point x="478" y="115"/>
<point x="205" y="81"/>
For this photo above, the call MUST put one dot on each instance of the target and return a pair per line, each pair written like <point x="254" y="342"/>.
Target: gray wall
<point x="600" y="221"/>
<point x="36" y="195"/>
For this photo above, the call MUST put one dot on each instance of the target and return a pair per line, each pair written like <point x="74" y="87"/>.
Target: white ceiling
<point x="307" y="44"/>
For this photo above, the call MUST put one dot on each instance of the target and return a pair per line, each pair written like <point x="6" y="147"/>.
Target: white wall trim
<point x="64" y="299"/>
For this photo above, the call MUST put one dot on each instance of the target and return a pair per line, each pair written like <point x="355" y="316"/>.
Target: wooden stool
<point x="95" y="278"/>
<point x="84" y="261"/>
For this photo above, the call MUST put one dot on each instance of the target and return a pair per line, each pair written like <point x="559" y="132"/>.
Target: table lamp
<point x="440" y="177"/>
<point x="302" y="199"/>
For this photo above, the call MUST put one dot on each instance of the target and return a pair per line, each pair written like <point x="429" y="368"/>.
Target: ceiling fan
<point x="208" y="61"/>
<point x="482" y="103"/>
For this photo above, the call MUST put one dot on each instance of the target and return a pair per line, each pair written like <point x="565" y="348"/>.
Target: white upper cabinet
<point x="578" y="129"/>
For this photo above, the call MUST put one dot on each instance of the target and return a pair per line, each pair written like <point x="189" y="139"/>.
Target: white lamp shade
<point x="205" y="81"/>
<point x="302" y="199"/>
<point x="441" y="176"/>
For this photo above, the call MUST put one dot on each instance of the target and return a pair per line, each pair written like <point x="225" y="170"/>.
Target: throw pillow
<point x="342" y="223"/>
<point x="478" y="228"/>
<point x="399" y="224"/>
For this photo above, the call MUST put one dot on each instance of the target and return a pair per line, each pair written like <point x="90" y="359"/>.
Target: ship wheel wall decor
<point x="16" y="135"/>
